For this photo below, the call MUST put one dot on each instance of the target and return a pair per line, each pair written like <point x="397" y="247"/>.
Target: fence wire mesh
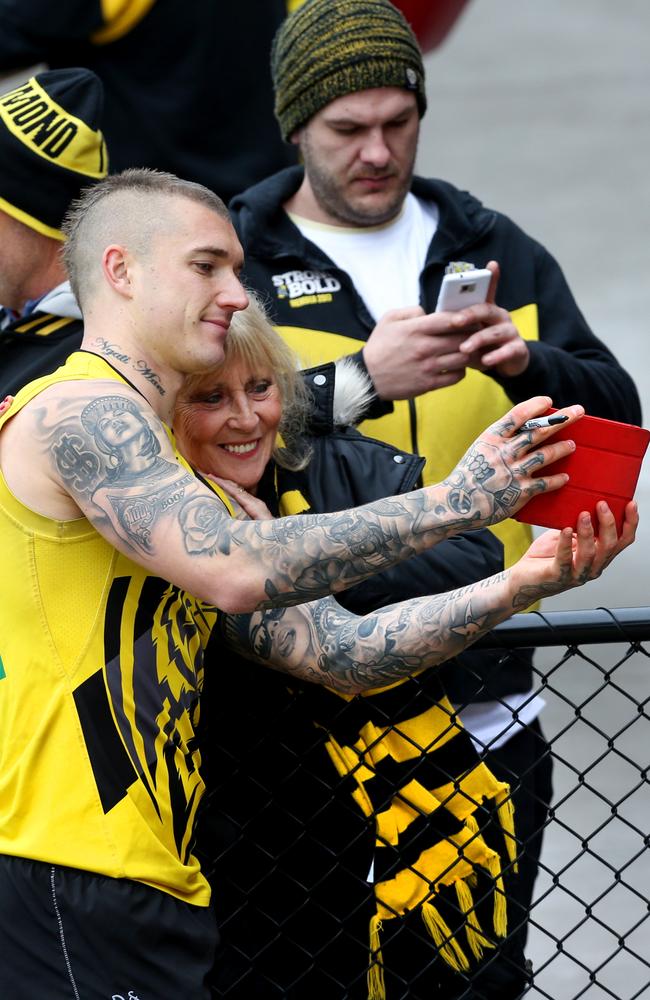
<point x="285" y="837"/>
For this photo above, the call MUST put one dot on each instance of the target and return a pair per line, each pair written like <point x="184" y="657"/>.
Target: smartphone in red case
<point x="605" y="466"/>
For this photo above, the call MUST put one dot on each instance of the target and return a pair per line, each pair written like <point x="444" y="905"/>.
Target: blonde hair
<point x="253" y="342"/>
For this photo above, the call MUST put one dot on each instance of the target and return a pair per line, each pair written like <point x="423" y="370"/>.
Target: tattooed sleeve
<point x="326" y="644"/>
<point x="112" y="455"/>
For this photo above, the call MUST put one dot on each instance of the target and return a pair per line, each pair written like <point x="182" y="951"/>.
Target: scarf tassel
<point x="476" y="939"/>
<point x="376" y="985"/>
<point x="500" y="903"/>
<point x="446" y="943"/>
<point x="493" y="865"/>
<point x="506" y="814"/>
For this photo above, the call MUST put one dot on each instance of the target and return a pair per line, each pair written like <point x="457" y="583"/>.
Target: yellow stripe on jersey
<point x="43" y="326"/>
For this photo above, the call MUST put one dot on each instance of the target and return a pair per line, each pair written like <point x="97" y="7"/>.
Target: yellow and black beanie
<point x="50" y="146"/>
<point x="328" y="48"/>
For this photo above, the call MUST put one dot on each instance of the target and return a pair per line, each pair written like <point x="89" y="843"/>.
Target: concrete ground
<point x="542" y="111"/>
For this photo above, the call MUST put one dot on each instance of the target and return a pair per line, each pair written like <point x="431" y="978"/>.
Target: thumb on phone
<point x="493" y="266"/>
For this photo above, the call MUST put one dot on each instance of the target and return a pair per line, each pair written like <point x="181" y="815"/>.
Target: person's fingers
<point x="405" y="312"/>
<point x="533" y="461"/>
<point x="450" y="362"/>
<point x="630" y="524"/>
<point x="547" y="484"/>
<point x="553" y="451"/>
<point x="228" y="485"/>
<point x="512" y="421"/>
<point x="509" y="353"/>
<point x="585" y="554"/>
<point x="525" y="438"/>
<point x="564" y="551"/>
<point x="488" y="338"/>
<point x="607" y="530"/>
<point x="249" y="503"/>
<point x="445" y="378"/>
<point x="610" y="543"/>
<point x="493" y="266"/>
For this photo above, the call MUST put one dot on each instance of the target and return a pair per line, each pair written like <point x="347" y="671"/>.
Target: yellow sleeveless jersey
<point x="100" y="676"/>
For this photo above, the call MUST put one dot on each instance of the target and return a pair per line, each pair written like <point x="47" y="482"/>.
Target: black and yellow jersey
<point x="100" y="677"/>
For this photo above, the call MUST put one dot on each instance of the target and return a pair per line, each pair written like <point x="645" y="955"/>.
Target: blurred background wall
<point x="542" y="111"/>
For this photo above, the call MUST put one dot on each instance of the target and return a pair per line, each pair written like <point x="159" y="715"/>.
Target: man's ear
<point x="295" y="137"/>
<point x="115" y="266"/>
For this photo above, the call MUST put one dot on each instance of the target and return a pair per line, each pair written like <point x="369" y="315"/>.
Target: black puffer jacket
<point x="287" y="852"/>
<point x="348" y="469"/>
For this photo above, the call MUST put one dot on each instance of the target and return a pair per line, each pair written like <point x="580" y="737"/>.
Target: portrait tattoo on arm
<point x="326" y="644"/>
<point x="110" y="454"/>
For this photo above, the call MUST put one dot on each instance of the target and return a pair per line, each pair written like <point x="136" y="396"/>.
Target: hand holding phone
<point x="463" y="288"/>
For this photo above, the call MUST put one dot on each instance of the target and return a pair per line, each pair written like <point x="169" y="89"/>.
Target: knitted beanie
<point x="50" y="146"/>
<point x="328" y="48"/>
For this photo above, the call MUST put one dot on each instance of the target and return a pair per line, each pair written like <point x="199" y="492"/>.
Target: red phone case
<point x="605" y="466"/>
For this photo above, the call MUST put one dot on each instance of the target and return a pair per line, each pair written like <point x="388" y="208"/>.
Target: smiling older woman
<point x="330" y="818"/>
<point x="227" y="421"/>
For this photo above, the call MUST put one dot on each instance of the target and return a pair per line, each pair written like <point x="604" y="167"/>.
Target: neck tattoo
<point x="109" y="350"/>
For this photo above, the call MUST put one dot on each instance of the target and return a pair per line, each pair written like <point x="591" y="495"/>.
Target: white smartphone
<point x="463" y="288"/>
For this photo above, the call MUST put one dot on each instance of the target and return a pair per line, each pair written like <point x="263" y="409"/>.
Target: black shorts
<point x="72" y="935"/>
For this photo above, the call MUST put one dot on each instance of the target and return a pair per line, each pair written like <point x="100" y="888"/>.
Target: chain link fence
<point x="283" y="841"/>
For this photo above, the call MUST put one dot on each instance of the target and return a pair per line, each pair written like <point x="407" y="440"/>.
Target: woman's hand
<point x="254" y="509"/>
<point x="560" y="560"/>
<point x="5" y="404"/>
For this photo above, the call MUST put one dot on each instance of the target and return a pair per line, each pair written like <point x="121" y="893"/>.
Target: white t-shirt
<point x="384" y="262"/>
<point x="492" y="723"/>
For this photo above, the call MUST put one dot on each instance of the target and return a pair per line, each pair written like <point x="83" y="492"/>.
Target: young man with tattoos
<point x="118" y="561"/>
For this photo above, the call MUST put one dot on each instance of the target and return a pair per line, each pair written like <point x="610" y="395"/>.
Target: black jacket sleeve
<point x="569" y="363"/>
<point x="376" y="407"/>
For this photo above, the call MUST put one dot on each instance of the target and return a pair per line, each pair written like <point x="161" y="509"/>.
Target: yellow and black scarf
<point x="416" y="775"/>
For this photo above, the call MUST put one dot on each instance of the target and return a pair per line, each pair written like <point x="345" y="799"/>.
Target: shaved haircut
<point x="128" y="209"/>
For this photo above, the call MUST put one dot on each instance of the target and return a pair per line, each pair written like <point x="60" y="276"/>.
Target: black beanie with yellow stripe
<point x="329" y="48"/>
<point x="51" y="146"/>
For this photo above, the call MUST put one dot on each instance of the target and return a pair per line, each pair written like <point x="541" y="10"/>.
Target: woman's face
<point x="228" y="427"/>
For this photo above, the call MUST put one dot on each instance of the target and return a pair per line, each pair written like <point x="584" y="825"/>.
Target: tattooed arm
<point x="98" y="448"/>
<point x="323" y="643"/>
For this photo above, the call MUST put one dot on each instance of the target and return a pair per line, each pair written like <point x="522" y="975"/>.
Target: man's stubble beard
<point x="332" y="200"/>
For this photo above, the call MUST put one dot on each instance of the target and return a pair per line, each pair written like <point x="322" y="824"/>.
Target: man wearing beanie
<point x="349" y="252"/>
<point x="51" y="147"/>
